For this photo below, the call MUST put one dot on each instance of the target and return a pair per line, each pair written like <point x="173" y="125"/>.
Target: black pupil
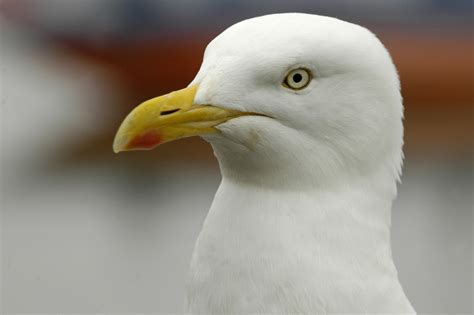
<point x="297" y="77"/>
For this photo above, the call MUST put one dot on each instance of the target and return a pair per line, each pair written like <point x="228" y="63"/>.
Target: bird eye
<point x="297" y="79"/>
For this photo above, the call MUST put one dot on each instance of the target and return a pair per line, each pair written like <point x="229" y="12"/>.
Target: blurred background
<point x="86" y="231"/>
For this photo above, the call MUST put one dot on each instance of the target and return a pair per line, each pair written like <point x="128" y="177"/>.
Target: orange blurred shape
<point x="433" y="70"/>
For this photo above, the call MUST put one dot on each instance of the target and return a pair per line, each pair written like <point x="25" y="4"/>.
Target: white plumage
<point x="301" y="220"/>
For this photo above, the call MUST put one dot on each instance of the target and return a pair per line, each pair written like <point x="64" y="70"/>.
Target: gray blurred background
<point x="87" y="231"/>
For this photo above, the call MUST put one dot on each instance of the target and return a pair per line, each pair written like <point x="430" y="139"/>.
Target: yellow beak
<point x="167" y="118"/>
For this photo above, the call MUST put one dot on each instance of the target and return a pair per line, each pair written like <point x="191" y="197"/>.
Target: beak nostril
<point x="167" y="112"/>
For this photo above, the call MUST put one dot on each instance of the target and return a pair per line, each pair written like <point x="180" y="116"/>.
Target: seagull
<point x="304" y="114"/>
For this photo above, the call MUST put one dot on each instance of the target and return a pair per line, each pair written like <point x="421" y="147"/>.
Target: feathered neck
<point x="317" y="250"/>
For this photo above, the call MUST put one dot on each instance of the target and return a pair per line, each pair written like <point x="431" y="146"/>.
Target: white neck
<point x="317" y="250"/>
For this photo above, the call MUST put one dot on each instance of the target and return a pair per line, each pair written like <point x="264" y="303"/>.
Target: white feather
<point x="301" y="220"/>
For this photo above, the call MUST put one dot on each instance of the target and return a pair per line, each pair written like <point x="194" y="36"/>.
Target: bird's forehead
<point x="285" y="32"/>
<point x="253" y="38"/>
<point x="286" y="39"/>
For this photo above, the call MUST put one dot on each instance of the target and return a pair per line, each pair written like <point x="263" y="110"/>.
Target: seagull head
<point x="286" y="100"/>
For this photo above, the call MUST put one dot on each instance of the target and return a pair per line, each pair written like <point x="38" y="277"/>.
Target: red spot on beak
<point x="146" y="141"/>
